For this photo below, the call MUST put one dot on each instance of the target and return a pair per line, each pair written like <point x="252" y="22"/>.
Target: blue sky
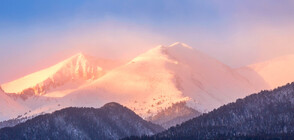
<point x="34" y="31"/>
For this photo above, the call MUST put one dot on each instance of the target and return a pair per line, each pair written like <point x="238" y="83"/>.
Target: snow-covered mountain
<point x="10" y="108"/>
<point x="41" y="91"/>
<point x="63" y="76"/>
<point x="253" y="77"/>
<point x="276" y="72"/>
<point x="165" y="75"/>
<point x="148" y="84"/>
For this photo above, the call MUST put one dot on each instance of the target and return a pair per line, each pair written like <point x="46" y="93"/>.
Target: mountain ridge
<point x="77" y="67"/>
<point x="149" y="83"/>
<point x="110" y="122"/>
<point x="171" y="74"/>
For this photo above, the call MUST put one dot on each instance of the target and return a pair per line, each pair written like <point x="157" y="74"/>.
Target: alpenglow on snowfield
<point x="148" y="69"/>
<point x="147" y="84"/>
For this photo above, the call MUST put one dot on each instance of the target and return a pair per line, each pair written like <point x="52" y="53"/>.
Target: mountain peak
<point x="112" y="104"/>
<point x="79" y="55"/>
<point x="162" y="52"/>
<point x="180" y="44"/>
<point x="74" y="68"/>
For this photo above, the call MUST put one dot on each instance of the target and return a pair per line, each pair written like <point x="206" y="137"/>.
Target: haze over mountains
<point x="276" y="72"/>
<point x="148" y="84"/>
<point x="170" y="74"/>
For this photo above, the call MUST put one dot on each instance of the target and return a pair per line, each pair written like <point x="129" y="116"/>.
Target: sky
<point x="35" y="34"/>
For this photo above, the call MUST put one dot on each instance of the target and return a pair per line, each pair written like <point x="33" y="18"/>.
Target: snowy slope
<point x="72" y="71"/>
<point x="60" y="80"/>
<point x="148" y="84"/>
<point x="253" y="77"/>
<point x="165" y="75"/>
<point x="276" y="72"/>
<point x="10" y="108"/>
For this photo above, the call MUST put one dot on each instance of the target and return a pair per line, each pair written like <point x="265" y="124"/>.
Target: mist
<point x="43" y="48"/>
